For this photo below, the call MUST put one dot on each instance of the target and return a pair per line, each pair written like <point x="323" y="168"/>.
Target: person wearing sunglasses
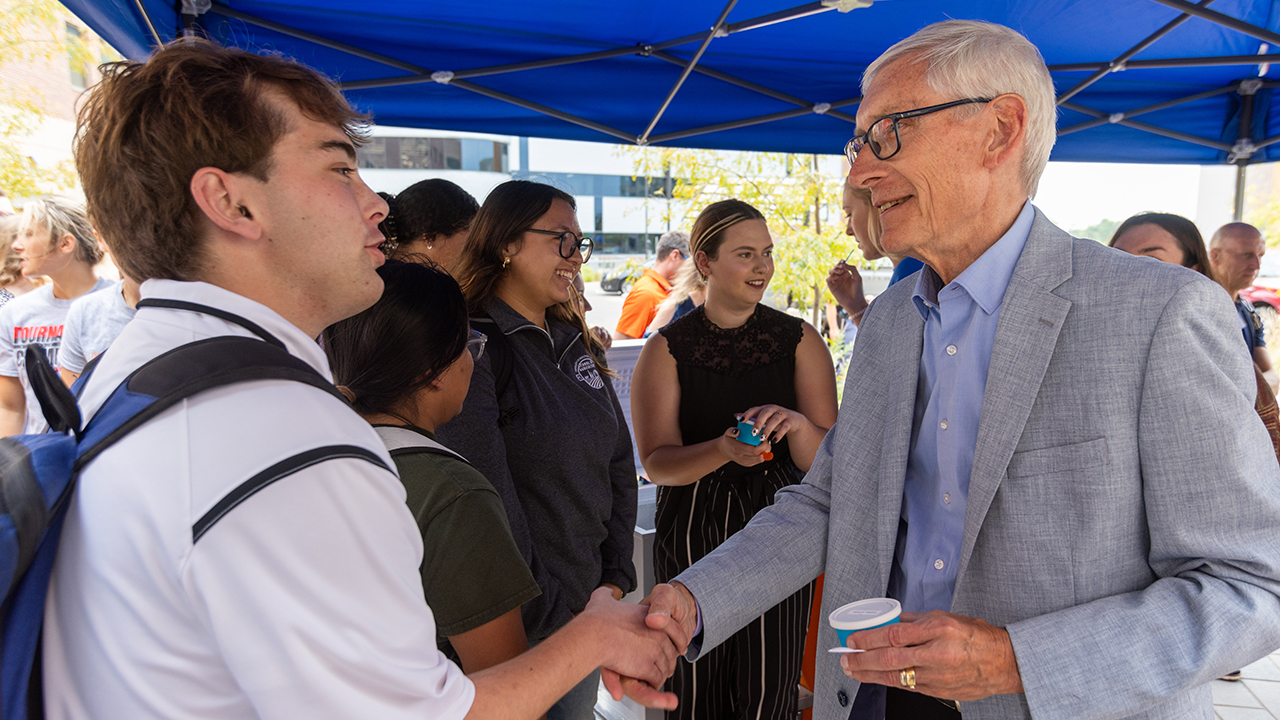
<point x="542" y="420"/>
<point x="405" y="364"/>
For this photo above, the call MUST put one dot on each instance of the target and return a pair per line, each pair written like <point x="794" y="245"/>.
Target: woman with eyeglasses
<point x="732" y="359"/>
<point x="405" y="364"/>
<point x="542" y="421"/>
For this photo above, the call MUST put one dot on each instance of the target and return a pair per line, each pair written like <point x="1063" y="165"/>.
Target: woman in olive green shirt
<point x="405" y="364"/>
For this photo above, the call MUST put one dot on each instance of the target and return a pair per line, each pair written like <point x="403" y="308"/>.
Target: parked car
<point x="620" y="279"/>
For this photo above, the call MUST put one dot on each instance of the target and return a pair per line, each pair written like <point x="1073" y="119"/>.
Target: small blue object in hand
<point x="746" y="432"/>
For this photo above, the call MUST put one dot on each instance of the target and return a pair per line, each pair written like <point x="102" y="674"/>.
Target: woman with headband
<point x="731" y="359"/>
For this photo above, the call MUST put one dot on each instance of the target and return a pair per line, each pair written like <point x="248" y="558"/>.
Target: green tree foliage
<point x="1101" y="232"/>
<point x="34" y="31"/>
<point x="800" y="202"/>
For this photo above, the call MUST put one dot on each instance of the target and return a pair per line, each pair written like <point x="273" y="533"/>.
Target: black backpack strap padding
<point x="203" y="365"/>
<point x="501" y="361"/>
<point x="252" y="327"/>
<point x="280" y="470"/>
<point x="56" y="402"/>
<point x="22" y="500"/>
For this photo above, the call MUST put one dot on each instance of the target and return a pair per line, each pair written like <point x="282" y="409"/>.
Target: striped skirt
<point x="753" y="674"/>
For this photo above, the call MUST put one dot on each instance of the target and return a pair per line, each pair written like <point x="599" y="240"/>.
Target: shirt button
<point x="951" y="349"/>
<point x="944" y="424"/>
<point x="938" y="564"/>
<point x="946" y="498"/>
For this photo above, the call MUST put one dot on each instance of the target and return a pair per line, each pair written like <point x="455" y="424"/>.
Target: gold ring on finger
<point x="907" y="678"/>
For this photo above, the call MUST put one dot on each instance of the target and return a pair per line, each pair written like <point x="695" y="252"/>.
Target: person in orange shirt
<point x="653" y="287"/>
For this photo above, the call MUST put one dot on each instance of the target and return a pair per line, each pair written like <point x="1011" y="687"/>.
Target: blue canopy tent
<point x="1155" y="81"/>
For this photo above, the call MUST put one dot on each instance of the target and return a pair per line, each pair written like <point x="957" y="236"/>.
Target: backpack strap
<point x="502" y="360"/>
<point x="403" y="441"/>
<point x="279" y="471"/>
<point x="232" y="318"/>
<point x="186" y="371"/>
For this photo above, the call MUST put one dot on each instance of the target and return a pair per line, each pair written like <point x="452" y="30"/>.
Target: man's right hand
<point x="673" y="610"/>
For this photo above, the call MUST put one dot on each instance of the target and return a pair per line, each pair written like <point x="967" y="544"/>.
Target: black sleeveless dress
<point x="722" y="373"/>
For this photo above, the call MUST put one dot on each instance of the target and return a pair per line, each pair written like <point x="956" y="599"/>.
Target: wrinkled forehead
<point x="899" y="86"/>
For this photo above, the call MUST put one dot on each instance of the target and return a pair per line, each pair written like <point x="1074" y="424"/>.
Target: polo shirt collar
<point x="294" y="339"/>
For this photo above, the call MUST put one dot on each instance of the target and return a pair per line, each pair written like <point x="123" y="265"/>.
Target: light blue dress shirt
<point x="959" y="330"/>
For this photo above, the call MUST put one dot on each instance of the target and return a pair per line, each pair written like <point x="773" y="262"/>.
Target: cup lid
<point x="863" y="614"/>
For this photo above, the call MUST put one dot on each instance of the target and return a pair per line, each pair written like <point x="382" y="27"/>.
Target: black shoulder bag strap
<point x="501" y="360"/>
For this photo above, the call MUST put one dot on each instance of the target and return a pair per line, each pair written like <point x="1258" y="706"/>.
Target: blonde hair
<point x="11" y="271"/>
<point x="61" y="216"/>
<point x="688" y="279"/>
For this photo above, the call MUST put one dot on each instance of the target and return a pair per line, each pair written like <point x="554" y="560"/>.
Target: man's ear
<point x="1010" y="130"/>
<point x="221" y="197"/>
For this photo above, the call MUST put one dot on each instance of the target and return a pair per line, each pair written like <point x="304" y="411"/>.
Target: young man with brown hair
<point x="248" y="553"/>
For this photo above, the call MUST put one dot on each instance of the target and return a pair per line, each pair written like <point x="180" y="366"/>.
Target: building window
<point x="79" y="73"/>
<point x="621" y="243"/>
<point x="399" y="153"/>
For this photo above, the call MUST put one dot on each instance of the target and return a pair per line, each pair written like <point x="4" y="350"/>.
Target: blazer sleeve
<point x="1209" y="484"/>
<point x="617" y="565"/>
<point x="475" y="434"/>
<point x="781" y="550"/>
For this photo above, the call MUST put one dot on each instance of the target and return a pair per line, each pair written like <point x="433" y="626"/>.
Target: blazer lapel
<point x="1031" y="317"/>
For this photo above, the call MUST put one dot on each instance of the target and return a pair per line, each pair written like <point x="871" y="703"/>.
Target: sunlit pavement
<point x="1256" y="697"/>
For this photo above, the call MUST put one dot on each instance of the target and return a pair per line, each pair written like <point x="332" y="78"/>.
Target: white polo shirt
<point x="304" y="601"/>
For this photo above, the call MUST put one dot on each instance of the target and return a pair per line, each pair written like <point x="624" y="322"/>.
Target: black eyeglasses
<point x="475" y="343"/>
<point x="570" y="242"/>
<point x="882" y="136"/>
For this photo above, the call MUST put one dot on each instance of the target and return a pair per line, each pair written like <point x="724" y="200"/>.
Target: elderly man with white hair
<point x="1057" y="473"/>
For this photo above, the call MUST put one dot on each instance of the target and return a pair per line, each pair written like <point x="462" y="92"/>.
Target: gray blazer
<point x="1123" y="519"/>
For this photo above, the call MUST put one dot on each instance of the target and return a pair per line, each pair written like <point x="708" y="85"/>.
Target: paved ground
<point x="1257" y="697"/>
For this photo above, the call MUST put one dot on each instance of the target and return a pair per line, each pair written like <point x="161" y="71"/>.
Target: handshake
<point x="643" y="642"/>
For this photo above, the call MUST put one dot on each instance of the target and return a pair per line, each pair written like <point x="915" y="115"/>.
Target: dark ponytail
<point x="389" y="352"/>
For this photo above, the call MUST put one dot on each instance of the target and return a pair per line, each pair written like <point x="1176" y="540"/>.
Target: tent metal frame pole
<point x="731" y="125"/>
<point x="1175" y="63"/>
<point x="1124" y="57"/>
<point x="684" y="75"/>
<point x="1106" y="119"/>
<point x="222" y="9"/>
<point x="748" y="85"/>
<point x="1223" y="20"/>
<point x="1244" y="132"/>
<point x="151" y="27"/>
<point x="1152" y="128"/>
<point x="794" y="13"/>
<point x="378" y="57"/>
<point x="1237" y="205"/>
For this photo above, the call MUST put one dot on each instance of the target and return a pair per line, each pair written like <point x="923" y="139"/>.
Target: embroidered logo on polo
<point x="586" y="371"/>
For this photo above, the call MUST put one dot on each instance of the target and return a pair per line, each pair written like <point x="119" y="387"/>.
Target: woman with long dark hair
<point x="406" y="364"/>
<point x="731" y="359"/>
<point x="542" y="420"/>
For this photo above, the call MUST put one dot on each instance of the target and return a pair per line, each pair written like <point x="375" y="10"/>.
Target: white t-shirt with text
<point x="93" y="322"/>
<point x="35" y="319"/>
